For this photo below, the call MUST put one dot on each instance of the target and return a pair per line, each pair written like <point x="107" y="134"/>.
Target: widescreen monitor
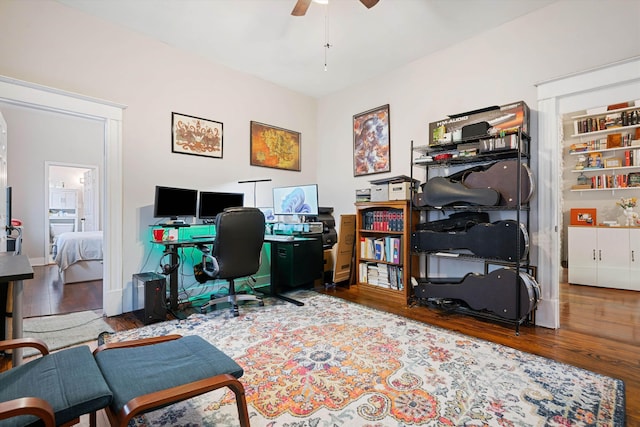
<point x="173" y="202"/>
<point x="212" y="203"/>
<point x="301" y="200"/>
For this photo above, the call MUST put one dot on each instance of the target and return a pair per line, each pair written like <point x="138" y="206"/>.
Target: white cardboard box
<point x="380" y="192"/>
<point x="400" y="191"/>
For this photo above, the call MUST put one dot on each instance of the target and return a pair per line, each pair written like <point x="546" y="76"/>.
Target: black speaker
<point x="155" y="297"/>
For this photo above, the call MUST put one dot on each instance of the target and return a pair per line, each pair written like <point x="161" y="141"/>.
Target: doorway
<point x="72" y="201"/>
<point x="42" y="98"/>
<point x="555" y="98"/>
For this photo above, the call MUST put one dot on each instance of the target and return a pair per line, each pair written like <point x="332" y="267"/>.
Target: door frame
<point x="31" y="95"/>
<point x="47" y="186"/>
<point x="551" y="94"/>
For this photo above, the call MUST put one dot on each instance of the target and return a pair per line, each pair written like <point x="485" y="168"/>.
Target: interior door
<point x="89" y="222"/>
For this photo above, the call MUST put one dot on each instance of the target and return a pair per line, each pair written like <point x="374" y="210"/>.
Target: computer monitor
<point x="212" y="203"/>
<point x="173" y="202"/>
<point x="301" y="200"/>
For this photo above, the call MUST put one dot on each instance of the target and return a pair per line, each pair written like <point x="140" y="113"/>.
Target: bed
<point x="79" y="256"/>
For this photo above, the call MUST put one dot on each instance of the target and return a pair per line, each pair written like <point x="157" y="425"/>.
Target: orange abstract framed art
<point x="274" y="147"/>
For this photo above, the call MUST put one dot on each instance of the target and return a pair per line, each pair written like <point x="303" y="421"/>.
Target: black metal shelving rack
<point x="522" y="212"/>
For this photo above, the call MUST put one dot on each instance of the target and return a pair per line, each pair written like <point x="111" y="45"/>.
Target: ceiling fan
<point x="300" y="9"/>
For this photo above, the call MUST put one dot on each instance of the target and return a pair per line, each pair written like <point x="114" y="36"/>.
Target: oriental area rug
<point x="335" y="363"/>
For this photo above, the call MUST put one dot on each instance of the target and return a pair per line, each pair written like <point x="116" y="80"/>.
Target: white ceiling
<point x="260" y="37"/>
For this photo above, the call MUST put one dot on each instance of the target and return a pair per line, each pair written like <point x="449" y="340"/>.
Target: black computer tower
<point x="298" y="264"/>
<point x="155" y="297"/>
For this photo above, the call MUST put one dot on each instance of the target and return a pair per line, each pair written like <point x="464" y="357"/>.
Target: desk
<point x="173" y="246"/>
<point x="293" y="263"/>
<point x="13" y="270"/>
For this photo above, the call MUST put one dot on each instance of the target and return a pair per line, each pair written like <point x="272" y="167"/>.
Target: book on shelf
<point x="382" y="275"/>
<point x="383" y="220"/>
<point x="387" y="248"/>
<point x="396" y="251"/>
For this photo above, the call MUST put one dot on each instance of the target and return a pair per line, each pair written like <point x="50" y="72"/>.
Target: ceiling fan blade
<point x="369" y="3"/>
<point x="301" y="7"/>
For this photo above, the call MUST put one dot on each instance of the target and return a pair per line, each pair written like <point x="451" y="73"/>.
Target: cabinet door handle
<point x="599" y="254"/>
<point x="594" y="254"/>
<point x="633" y="256"/>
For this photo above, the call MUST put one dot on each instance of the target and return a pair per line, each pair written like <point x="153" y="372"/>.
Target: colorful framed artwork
<point x="196" y="136"/>
<point x="371" y="142"/>
<point x="274" y="147"/>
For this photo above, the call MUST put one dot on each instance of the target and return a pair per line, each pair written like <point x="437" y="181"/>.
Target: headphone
<point x="166" y="267"/>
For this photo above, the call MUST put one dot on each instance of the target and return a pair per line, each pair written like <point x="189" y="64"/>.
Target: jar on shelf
<point x="583" y="179"/>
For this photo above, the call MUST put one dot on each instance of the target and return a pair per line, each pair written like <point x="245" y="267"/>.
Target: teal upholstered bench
<point x="68" y="380"/>
<point x="125" y="379"/>
<point x="149" y="374"/>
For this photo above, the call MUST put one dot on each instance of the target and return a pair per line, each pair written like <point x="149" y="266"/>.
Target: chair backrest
<point x="239" y="239"/>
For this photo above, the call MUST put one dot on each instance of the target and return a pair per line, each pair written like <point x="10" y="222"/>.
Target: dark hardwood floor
<point x="600" y="328"/>
<point x="45" y="294"/>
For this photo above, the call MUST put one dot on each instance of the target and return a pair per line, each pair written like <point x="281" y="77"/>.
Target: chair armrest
<point x="36" y="343"/>
<point x="28" y="406"/>
<point x="159" y="399"/>
<point x="137" y="343"/>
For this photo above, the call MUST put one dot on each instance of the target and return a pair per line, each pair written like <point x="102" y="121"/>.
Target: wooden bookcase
<point x="385" y="226"/>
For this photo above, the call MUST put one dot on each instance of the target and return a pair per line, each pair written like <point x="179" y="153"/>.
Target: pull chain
<point x="327" y="45"/>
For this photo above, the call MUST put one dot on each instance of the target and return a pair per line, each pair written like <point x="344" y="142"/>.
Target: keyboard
<point x="278" y="237"/>
<point x="203" y="236"/>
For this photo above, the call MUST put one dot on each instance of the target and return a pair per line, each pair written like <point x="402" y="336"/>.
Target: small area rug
<point x="334" y="363"/>
<point x="64" y="330"/>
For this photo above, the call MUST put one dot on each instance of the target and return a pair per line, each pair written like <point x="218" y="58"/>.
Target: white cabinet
<point x="634" y="262"/>
<point x="604" y="256"/>
<point x="63" y="199"/>
<point x="583" y="267"/>
<point x="63" y="211"/>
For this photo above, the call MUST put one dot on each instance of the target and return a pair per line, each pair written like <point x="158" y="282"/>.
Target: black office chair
<point x="235" y="253"/>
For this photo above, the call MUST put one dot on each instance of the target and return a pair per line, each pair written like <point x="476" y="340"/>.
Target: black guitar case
<point x="455" y="221"/>
<point x="501" y="176"/>
<point x="494" y="292"/>
<point x="501" y="239"/>
<point x="441" y="191"/>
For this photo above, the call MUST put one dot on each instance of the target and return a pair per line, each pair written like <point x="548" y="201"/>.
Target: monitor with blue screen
<point x="300" y="200"/>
